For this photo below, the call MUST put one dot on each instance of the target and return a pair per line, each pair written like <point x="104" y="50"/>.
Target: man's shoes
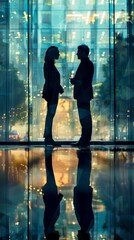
<point x="53" y="236"/>
<point x="51" y="142"/>
<point x="116" y="237"/>
<point x="83" y="236"/>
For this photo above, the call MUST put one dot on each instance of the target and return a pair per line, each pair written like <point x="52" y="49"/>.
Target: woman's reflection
<point x="51" y="199"/>
<point x="83" y="195"/>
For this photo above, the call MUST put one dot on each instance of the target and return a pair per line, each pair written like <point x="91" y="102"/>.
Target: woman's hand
<point x="72" y="80"/>
<point x="61" y="90"/>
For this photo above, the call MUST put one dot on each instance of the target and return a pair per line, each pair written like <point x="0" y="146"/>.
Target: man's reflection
<point x="51" y="199"/>
<point x="83" y="195"/>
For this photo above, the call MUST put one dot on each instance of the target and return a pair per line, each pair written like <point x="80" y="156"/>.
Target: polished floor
<point x="66" y="193"/>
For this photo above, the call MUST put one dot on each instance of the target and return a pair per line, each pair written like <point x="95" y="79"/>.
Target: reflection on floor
<point x="66" y="193"/>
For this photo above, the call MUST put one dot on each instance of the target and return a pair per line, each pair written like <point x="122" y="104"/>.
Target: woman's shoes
<point x="81" y="143"/>
<point x="51" y="142"/>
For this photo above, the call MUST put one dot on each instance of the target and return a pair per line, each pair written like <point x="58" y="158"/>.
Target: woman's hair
<point x="50" y="53"/>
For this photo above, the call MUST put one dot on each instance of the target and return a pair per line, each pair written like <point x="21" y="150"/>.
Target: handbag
<point x="45" y="93"/>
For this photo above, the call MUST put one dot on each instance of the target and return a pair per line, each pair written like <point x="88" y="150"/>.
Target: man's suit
<point x="83" y="93"/>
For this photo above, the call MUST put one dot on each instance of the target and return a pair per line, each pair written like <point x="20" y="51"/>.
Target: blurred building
<point x="28" y="28"/>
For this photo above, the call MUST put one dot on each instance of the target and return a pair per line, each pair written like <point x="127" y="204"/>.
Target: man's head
<point x="83" y="51"/>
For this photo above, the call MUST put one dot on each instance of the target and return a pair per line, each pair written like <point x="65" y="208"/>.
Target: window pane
<point x="28" y="28"/>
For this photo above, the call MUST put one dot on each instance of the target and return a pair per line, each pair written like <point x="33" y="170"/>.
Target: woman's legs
<point x="51" y="110"/>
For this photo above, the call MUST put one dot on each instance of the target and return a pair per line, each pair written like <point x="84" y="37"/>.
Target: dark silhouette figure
<point x="51" y="199"/>
<point x="51" y="91"/>
<point x="83" y="93"/>
<point x="83" y="195"/>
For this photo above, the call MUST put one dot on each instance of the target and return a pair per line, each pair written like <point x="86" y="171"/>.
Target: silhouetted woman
<point x="51" y="198"/>
<point x="51" y="91"/>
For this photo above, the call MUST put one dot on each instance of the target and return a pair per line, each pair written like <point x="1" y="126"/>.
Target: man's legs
<point x="85" y="121"/>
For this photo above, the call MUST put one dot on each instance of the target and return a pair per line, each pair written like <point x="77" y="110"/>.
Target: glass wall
<point x="28" y="28"/>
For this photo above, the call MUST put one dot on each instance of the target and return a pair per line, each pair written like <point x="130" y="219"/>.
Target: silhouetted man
<point x="83" y="195"/>
<point x="83" y="93"/>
